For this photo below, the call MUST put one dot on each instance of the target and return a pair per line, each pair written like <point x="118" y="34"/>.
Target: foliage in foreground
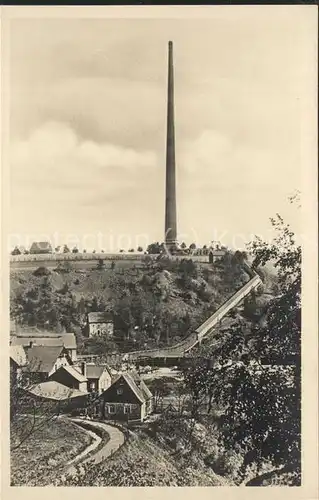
<point x="40" y="459"/>
<point x="256" y="376"/>
<point x="141" y="462"/>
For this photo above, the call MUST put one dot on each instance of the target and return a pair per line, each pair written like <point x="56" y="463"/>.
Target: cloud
<point x="54" y="157"/>
<point x="229" y="186"/>
<point x="101" y="162"/>
<point x="59" y="181"/>
<point x="216" y="159"/>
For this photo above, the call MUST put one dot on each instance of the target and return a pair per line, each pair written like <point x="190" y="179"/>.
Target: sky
<point x="88" y="126"/>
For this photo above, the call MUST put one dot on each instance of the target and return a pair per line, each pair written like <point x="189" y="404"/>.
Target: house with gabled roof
<point x="55" y="391"/>
<point x="43" y="361"/>
<point x="70" y="377"/>
<point x="128" y="399"/>
<point x="18" y="360"/>
<point x="99" y="377"/>
<point x="64" y="399"/>
<point x="100" y="324"/>
<point x="29" y="339"/>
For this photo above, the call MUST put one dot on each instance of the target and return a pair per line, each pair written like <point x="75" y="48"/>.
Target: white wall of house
<point x="83" y="386"/>
<point x="72" y="354"/>
<point x="61" y="361"/>
<point x="105" y="381"/>
<point x="143" y="411"/>
<point x="101" y="329"/>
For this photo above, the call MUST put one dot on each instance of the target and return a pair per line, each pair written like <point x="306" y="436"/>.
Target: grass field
<point x="40" y="459"/>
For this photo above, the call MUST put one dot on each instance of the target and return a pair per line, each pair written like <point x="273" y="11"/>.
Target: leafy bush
<point x="41" y="271"/>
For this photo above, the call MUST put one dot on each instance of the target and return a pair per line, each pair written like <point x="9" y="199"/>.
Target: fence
<point x="134" y="256"/>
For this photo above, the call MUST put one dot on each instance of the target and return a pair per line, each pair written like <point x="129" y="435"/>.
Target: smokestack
<point x="170" y="202"/>
<point x="83" y="368"/>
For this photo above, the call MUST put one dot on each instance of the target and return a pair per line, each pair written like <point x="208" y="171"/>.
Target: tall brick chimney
<point x="170" y="202"/>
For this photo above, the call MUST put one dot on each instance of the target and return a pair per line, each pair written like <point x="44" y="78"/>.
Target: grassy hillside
<point x="144" y="462"/>
<point x="38" y="461"/>
<point x="153" y="304"/>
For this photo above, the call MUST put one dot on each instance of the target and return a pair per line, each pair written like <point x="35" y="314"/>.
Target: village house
<point x="216" y="254"/>
<point x="18" y="360"/>
<point x="40" y="247"/>
<point x="43" y="361"/>
<point x="99" y="377"/>
<point x="71" y="377"/>
<point x="100" y="324"/>
<point x="128" y="399"/>
<point x="48" y="339"/>
<point x="66" y="398"/>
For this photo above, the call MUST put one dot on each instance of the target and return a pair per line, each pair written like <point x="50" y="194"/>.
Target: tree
<point x="16" y="251"/>
<point x="192" y="246"/>
<point x="154" y="248"/>
<point x="100" y="264"/>
<point x="75" y="250"/>
<point x="42" y="271"/>
<point x="139" y="249"/>
<point x="183" y="245"/>
<point x="64" y="267"/>
<point x="159" y="389"/>
<point x="66" y="249"/>
<point x="29" y="414"/>
<point x="256" y="373"/>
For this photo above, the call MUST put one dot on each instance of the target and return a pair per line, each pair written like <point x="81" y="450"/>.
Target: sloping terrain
<point x="38" y="460"/>
<point x="153" y="306"/>
<point x="143" y="462"/>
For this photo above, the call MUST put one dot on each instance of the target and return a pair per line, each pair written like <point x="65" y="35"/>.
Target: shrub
<point x="42" y="271"/>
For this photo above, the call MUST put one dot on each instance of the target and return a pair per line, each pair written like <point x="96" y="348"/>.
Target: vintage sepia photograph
<point x="155" y="236"/>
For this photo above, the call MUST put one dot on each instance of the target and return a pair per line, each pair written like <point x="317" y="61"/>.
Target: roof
<point x="67" y="340"/>
<point x="74" y="373"/>
<point x="146" y="392"/>
<point x="99" y="317"/>
<point x="55" y="390"/>
<point x="133" y="386"/>
<point x="41" y="359"/>
<point x="141" y="384"/>
<point x="18" y="355"/>
<point x="95" y="371"/>
<point x="136" y="385"/>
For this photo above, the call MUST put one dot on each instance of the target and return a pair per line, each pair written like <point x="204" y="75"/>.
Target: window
<point x="127" y="409"/>
<point x="119" y="390"/>
<point x="111" y="409"/>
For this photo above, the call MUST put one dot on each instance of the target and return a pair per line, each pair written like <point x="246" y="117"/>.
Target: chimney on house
<point x="83" y="368"/>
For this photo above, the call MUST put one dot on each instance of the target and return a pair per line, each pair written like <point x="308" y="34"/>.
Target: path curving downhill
<point x="116" y="440"/>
